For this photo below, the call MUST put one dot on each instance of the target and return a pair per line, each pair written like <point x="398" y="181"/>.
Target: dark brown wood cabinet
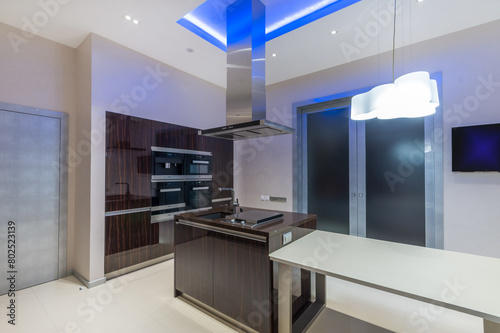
<point x="242" y="280"/>
<point x="127" y="240"/>
<point x="128" y="162"/>
<point x="131" y="238"/>
<point x="194" y="271"/>
<point x="227" y="269"/>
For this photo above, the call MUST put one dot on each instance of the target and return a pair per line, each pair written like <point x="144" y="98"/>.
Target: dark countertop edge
<point x="289" y="220"/>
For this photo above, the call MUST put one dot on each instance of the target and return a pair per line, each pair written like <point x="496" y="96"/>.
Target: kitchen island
<point x="224" y="268"/>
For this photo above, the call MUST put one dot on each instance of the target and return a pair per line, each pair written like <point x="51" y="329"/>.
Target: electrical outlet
<point x="265" y="197"/>
<point x="287" y="238"/>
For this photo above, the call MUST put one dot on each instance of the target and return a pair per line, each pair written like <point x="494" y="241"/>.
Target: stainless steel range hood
<point x="246" y="86"/>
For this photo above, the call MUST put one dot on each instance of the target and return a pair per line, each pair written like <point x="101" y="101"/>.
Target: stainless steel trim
<point x="222" y="199"/>
<point x="168" y="190"/>
<point x="166" y="180"/>
<point x="163" y="217"/>
<point x="128" y="211"/>
<point x="217" y="315"/>
<point x="180" y="151"/>
<point x="157" y="208"/>
<point x="87" y="283"/>
<point x="200" y="188"/>
<point x="239" y="234"/>
<point x="170" y="216"/>
<point x="200" y="162"/>
<point x="136" y="267"/>
<point x="179" y="178"/>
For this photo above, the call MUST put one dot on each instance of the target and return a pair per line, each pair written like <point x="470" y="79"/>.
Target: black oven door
<point x="198" y="165"/>
<point x="167" y="198"/>
<point x="198" y="194"/>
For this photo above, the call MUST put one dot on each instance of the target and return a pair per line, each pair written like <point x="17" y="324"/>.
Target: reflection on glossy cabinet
<point x="194" y="271"/>
<point x="162" y="239"/>
<point x="242" y="268"/>
<point x="128" y="162"/>
<point x="127" y="240"/>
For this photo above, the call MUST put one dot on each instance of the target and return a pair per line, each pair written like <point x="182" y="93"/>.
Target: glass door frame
<point x="434" y="177"/>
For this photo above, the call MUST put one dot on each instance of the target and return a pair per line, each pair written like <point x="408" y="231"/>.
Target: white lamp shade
<point x="410" y="96"/>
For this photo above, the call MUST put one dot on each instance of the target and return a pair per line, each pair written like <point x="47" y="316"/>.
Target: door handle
<point x="170" y="190"/>
<point x="200" y="188"/>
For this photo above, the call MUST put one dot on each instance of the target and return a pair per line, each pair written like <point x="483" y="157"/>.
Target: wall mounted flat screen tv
<point x="476" y="148"/>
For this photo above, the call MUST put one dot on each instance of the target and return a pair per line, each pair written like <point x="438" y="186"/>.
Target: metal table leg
<point x="284" y="298"/>
<point x="491" y="327"/>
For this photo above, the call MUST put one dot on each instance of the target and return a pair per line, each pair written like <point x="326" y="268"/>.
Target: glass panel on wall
<point x="328" y="169"/>
<point x="395" y="180"/>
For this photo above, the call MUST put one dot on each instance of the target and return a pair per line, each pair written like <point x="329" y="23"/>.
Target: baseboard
<point x="87" y="283"/>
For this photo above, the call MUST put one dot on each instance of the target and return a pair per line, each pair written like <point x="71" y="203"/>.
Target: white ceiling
<point x="302" y="51"/>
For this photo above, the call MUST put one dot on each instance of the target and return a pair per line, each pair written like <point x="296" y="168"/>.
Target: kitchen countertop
<point x="267" y="229"/>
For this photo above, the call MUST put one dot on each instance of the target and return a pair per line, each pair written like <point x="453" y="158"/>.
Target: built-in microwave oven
<point x="198" y="164"/>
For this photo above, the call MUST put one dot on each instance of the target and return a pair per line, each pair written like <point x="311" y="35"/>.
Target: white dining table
<point x="458" y="281"/>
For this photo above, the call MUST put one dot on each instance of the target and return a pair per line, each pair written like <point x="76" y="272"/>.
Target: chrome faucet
<point x="234" y="206"/>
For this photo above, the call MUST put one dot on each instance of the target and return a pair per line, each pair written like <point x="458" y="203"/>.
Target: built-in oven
<point x="167" y="163"/>
<point x="198" y="164"/>
<point x="198" y="194"/>
<point x="181" y="181"/>
<point x="168" y="197"/>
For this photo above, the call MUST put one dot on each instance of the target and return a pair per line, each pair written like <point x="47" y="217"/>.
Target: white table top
<point x="458" y="281"/>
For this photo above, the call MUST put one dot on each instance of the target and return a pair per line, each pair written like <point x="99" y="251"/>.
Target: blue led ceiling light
<point x="209" y="19"/>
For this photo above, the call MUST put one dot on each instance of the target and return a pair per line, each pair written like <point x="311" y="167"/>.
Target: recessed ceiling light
<point x="334" y="32"/>
<point x="420" y="0"/>
<point x="275" y="55"/>
<point x="190" y="50"/>
<point x="128" y="17"/>
<point x="135" y="21"/>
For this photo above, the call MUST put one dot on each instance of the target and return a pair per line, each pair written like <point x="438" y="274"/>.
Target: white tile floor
<point x="142" y="302"/>
<point x="139" y="302"/>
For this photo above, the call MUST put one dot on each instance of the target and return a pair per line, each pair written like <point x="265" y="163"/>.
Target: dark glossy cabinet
<point x="128" y="162"/>
<point x="230" y="271"/>
<point x="194" y="273"/>
<point x="127" y="240"/>
<point x="131" y="238"/>
<point x="242" y="267"/>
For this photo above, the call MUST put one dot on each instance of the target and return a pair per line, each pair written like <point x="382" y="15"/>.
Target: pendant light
<point x="409" y="96"/>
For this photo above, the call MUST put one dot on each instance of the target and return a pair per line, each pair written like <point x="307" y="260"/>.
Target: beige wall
<point x="41" y="74"/>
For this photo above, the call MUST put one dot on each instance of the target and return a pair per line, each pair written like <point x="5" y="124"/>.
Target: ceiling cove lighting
<point x="282" y="16"/>
<point x="412" y="95"/>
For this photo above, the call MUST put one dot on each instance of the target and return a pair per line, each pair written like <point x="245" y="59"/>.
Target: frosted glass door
<point x="395" y="180"/>
<point x="29" y="196"/>
<point x="328" y="169"/>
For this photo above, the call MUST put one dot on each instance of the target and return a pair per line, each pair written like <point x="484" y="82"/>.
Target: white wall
<point x="471" y="211"/>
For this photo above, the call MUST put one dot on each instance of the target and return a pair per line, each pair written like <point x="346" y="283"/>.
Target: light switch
<point x="287" y="238"/>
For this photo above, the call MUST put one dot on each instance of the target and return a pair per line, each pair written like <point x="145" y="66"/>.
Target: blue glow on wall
<point x="282" y="16"/>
